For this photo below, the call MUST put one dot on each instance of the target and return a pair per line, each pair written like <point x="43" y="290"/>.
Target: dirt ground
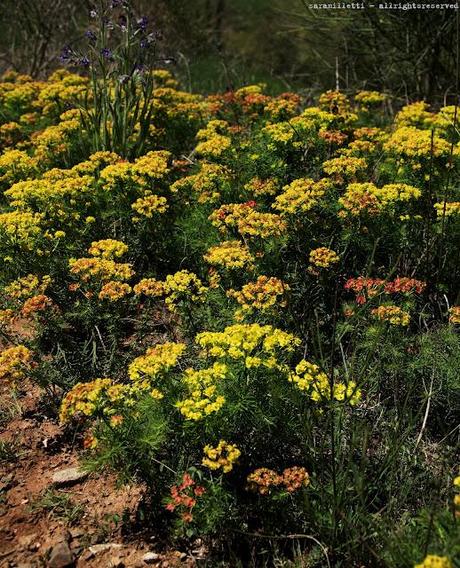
<point x="76" y="524"/>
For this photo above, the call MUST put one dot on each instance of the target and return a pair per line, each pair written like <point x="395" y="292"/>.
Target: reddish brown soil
<point x="29" y="530"/>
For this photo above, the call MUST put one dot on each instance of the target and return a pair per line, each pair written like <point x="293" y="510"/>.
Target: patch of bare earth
<point x="79" y="523"/>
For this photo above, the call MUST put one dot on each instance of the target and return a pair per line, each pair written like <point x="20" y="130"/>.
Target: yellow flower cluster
<point x="213" y="140"/>
<point x="14" y="363"/>
<point x="281" y="108"/>
<point x="367" y="197"/>
<point x="309" y="377"/>
<point x="164" y="78"/>
<point x="202" y="386"/>
<point x="263" y="480"/>
<point x="415" y="143"/>
<point x="149" y="205"/>
<point x="149" y="287"/>
<point x="27" y="286"/>
<point x="54" y="141"/>
<point x="16" y="165"/>
<point x="51" y="193"/>
<point x="334" y="101"/>
<point x="348" y="166"/>
<point x="454" y="315"/>
<point x="254" y="344"/>
<point x="108" y="249"/>
<point x="21" y="228"/>
<point x="433" y="561"/>
<point x="248" y="221"/>
<point x="457" y="496"/>
<point x="183" y="286"/>
<point x="114" y="291"/>
<point x="323" y="257"/>
<point x="230" y="255"/>
<point x="140" y="174"/>
<point x="96" y="162"/>
<point x="156" y="361"/>
<point x="416" y="114"/>
<point x="370" y="98"/>
<point x="392" y="314"/>
<point x="223" y="456"/>
<point x="259" y="187"/>
<point x="208" y="183"/>
<point x="447" y="209"/>
<point x="280" y="132"/>
<point x="100" y="269"/>
<point x="265" y="294"/>
<point x="98" y="396"/>
<point x="300" y="196"/>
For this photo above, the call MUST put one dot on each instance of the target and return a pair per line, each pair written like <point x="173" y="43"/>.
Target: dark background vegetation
<point x="222" y="44"/>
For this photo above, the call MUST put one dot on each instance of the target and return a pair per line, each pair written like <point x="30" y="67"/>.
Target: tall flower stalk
<point x="119" y="55"/>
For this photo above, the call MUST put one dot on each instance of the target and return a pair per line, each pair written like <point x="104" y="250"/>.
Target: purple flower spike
<point x="91" y="36"/>
<point x="106" y="53"/>
<point x="142" y="23"/>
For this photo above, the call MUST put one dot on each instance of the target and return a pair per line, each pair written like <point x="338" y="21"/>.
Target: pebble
<point x="69" y="475"/>
<point x="150" y="557"/>
<point x="61" y="556"/>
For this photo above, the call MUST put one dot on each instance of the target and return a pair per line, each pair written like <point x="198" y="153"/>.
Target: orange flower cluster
<point x="183" y="497"/>
<point x="36" y="304"/>
<point x="404" y="285"/>
<point x="366" y="288"/>
<point x="263" y="479"/>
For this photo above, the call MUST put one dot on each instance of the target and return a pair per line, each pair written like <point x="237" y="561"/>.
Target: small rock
<point x="68" y="476"/>
<point x="150" y="557"/>
<point x="97" y="548"/>
<point x="26" y="540"/>
<point x="61" y="556"/>
<point x="77" y="533"/>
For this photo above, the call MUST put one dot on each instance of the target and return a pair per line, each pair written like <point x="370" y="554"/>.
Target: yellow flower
<point x="223" y="456"/>
<point x="22" y="228"/>
<point x="108" y="248"/>
<point x="101" y="396"/>
<point x="310" y="378"/>
<point x="27" y="286"/>
<point x="454" y="315"/>
<point x="150" y="204"/>
<point x="370" y="98"/>
<point x="414" y="143"/>
<point x="248" y="221"/>
<point x="114" y="291"/>
<point x="183" y="286"/>
<point x="392" y="314"/>
<point x="100" y="269"/>
<point x="150" y="287"/>
<point x="348" y="166"/>
<point x="323" y="257"/>
<point x="447" y="209"/>
<point x="300" y="196"/>
<point x="230" y="255"/>
<point x="433" y="561"/>
<point x="265" y="294"/>
<point x="207" y="183"/>
<point x="366" y="197"/>
<point x="157" y="360"/>
<point x="203" y="397"/>
<point x="14" y="363"/>
<point x="253" y="344"/>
